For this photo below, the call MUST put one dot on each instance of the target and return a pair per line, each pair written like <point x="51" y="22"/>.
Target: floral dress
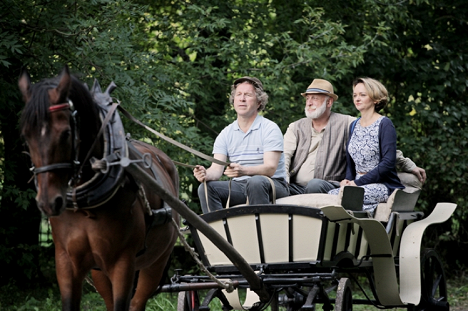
<point x="364" y="149"/>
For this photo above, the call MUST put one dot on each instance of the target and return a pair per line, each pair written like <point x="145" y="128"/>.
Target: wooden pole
<point x="251" y="277"/>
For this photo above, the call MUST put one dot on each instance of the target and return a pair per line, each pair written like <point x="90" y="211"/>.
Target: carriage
<point x="308" y="248"/>
<point x="293" y="253"/>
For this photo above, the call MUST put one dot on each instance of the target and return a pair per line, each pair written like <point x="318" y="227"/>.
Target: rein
<point x="170" y="140"/>
<point x="77" y="166"/>
<point x="186" y="148"/>
<point x="74" y="164"/>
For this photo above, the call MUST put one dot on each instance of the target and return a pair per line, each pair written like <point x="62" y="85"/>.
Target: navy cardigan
<point x="385" y="172"/>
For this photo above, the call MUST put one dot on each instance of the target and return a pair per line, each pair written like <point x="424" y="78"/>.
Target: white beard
<point x="318" y="112"/>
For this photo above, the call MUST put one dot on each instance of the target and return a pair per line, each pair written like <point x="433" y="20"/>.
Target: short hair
<point x="376" y="91"/>
<point x="262" y="96"/>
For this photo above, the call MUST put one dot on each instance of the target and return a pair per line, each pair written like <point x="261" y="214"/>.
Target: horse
<point x="100" y="218"/>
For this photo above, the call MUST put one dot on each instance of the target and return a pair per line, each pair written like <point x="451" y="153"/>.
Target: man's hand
<point x="234" y="170"/>
<point x="200" y="173"/>
<point x="420" y="174"/>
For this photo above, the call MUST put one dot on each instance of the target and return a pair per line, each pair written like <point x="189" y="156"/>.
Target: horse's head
<point x="48" y="126"/>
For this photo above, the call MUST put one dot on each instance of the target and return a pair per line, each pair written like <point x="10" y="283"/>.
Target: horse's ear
<point x="60" y="93"/>
<point x="24" y="83"/>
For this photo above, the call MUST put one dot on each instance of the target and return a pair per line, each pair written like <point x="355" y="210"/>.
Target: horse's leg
<point x="148" y="282"/>
<point x="70" y="281"/>
<point x="121" y="276"/>
<point x="104" y="287"/>
<point x="164" y="238"/>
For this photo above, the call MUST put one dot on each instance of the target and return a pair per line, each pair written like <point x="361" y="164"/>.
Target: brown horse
<point x="100" y="218"/>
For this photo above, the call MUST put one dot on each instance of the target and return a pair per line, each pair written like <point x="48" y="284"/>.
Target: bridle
<point x="74" y="163"/>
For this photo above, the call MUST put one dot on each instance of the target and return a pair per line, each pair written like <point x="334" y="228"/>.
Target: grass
<point x="47" y="298"/>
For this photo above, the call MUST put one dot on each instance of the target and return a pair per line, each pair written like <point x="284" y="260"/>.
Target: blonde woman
<point x="371" y="149"/>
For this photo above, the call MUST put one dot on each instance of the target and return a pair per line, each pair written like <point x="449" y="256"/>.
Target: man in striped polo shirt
<point x="254" y="147"/>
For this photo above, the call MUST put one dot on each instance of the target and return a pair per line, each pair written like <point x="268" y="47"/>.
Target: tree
<point x="99" y="39"/>
<point x="408" y="45"/>
<point x="423" y="65"/>
<point x="174" y="61"/>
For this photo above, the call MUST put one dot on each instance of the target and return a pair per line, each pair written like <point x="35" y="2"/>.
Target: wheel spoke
<point x="435" y="285"/>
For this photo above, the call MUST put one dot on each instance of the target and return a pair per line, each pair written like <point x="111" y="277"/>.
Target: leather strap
<point x="109" y="115"/>
<point x="170" y="140"/>
<point x="229" y="195"/>
<point x="196" y="152"/>
<point x="273" y="191"/>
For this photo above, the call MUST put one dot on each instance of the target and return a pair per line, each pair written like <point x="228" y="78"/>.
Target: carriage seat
<point x="350" y="197"/>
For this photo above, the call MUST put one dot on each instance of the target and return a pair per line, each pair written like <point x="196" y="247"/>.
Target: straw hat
<point x="320" y="86"/>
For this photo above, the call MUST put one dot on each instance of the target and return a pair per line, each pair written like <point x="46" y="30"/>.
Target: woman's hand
<point x="346" y="182"/>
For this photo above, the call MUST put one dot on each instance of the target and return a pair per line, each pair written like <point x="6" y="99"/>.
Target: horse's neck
<point x="90" y="140"/>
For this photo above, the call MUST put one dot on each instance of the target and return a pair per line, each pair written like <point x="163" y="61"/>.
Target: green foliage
<point x="46" y="298"/>
<point x="174" y="63"/>
<point x="214" y="44"/>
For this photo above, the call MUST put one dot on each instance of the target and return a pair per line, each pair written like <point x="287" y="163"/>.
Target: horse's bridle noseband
<point x="74" y="164"/>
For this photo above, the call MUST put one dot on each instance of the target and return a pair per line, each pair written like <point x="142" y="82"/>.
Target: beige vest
<point x="330" y="163"/>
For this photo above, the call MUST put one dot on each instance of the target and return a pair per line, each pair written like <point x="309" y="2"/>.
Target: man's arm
<point x="214" y="172"/>
<point x="290" y="143"/>
<point x="407" y="165"/>
<point x="404" y="164"/>
<point x="268" y="168"/>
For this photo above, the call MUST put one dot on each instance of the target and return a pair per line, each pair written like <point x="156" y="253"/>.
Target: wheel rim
<point x="344" y="296"/>
<point x="187" y="301"/>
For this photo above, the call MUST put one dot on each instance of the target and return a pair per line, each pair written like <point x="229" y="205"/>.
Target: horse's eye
<point x="65" y="135"/>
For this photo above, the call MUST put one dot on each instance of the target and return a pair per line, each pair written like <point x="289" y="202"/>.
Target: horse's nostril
<point x="40" y="204"/>
<point x="58" y="203"/>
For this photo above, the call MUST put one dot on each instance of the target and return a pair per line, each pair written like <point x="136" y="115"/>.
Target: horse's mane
<point x="36" y="112"/>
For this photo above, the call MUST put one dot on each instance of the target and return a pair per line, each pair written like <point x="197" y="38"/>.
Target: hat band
<point x="317" y="90"/>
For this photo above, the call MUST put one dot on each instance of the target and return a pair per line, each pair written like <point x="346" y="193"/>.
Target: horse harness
<point x="110" y="174"/>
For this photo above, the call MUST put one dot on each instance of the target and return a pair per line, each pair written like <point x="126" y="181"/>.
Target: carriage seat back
<point x="401" y="200"/>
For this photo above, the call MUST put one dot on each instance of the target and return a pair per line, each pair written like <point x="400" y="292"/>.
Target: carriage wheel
<point x="344" y="296"/>
<point x="188" y="301"/>
<point x="433" y="283"/>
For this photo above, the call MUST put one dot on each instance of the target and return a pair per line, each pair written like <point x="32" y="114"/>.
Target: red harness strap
<point x="59" y="107"/>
